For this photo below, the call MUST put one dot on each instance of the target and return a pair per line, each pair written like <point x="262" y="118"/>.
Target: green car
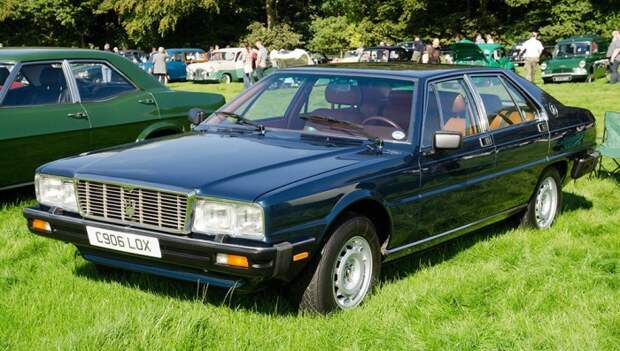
<point x="466" y="52"/>
<point x="578" y="58"/>
<point x="60" y="102"/>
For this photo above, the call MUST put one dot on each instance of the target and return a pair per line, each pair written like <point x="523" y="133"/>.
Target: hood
<point x="204" y="65"/>
<point x="563" y="64"/>
<point x="232" y="166"/>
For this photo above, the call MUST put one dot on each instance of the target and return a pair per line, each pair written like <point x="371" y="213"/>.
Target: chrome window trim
<point x="190" y="195"/>
<point x="9" y="80"/>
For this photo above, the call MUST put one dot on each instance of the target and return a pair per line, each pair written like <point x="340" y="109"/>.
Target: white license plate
<point x="561" y="79"/>
<point x="119" y="241"/>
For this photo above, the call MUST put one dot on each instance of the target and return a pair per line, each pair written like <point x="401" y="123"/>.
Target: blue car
<point x="176" y="64"/>
<point x="317" y="175"/>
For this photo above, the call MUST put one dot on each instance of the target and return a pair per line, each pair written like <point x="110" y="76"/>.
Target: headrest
<point x="492" y="104"/>
<point x="52" y="77"/>
<point x="446" y="98"/>
<point x="458" y="105"/>
<point x="4" y="74"/>
<point x="343" y="94"/>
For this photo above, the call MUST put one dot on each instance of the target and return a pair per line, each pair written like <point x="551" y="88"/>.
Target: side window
<point x="449" y="108"/>
<point x="528" y="111"/>
<point x="38" y="84"/>
<point x="498" y="103"/>
<point x="97" y="81"/>
<point x="5" y="70"/>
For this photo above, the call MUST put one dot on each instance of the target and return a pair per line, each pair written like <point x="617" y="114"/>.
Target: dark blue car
<point x="315" y="176"/>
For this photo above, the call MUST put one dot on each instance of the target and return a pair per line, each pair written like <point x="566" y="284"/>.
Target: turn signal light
<point x="300" y="256"/>
<point x="41" y="225"/>
<point x="232" y="260"/>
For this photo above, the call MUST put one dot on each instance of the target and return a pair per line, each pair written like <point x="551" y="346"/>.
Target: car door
<point x="39" y="121"/>
<point x="176" y="67"/>
<point x="521" y="138"/>
<point x="455" y="191"/>
<point x="117" y="110"/>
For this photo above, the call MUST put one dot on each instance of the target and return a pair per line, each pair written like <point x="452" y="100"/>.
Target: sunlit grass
<point x="499" y="288"/>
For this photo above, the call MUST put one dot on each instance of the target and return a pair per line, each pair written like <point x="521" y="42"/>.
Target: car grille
<point x="160" y="210"/>
<point x="562" y="70"/>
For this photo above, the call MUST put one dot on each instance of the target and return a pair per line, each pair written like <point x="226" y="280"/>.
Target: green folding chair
<point x="610" y="146"/>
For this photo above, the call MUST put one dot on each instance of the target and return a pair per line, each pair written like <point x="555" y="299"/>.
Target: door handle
<point x="77" y="115"/>
<point x="147" y="101"/>
<point x="542" y="127"/>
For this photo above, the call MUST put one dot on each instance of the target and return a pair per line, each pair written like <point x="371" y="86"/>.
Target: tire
<point x="350" y="257"/>
<point x="226" y="79"/>
<point x="545" y="204"/>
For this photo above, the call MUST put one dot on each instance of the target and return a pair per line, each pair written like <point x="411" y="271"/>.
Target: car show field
<point x="502" y="287"/>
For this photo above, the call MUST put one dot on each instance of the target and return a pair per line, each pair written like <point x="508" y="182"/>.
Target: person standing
<point x="159" y="65"/>
<point x="261" y="60"/>
<point x="614" y="57"/>
<point x="479" y="39"/>
<point x="418" y="49"/>
<point x="248" y="69"/>
<point x="490" y="39"/>
<point x="531" y="50"/>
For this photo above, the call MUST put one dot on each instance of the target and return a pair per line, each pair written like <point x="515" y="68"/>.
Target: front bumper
<point x="564" y="77"/>
<point x="190" y="258"/>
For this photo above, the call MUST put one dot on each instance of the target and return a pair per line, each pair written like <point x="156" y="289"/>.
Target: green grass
<point x="498" y="288"/>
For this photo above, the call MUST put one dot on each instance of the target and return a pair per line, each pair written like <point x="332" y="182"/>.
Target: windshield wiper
<point x="345" y="126"/>
<point x="242" y="120"/>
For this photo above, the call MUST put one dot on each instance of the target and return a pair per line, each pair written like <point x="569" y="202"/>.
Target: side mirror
<point x="445" y="140"/>
<point x="196" y="116"/>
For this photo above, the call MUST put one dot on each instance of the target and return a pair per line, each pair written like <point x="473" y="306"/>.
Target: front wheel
<point x="346" y="271"/>
<point x="546" y="202"/>
<point x="225" y="79"/>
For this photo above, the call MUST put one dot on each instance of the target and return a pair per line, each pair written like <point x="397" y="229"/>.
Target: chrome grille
<point x="161" y="210"/>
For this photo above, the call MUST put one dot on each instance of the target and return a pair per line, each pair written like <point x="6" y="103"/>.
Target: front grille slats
<point x="135" y="206"/>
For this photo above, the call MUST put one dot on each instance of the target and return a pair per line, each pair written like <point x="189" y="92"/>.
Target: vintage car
<point x="60" y="102"/>
<point x="385" y="54"/>
<point x="135" y="56"/>
<point x="224" y="66"/>
<point x="579" y="58"/>
<point x="315" y="176"/>
<point x="176" y="64"/>
<point x="466" y="52"/>
<point x="515" y="54"/>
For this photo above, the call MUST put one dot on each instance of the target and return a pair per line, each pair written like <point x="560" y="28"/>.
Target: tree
<point x="280" y="36"/>
<point x="330" y="35"/>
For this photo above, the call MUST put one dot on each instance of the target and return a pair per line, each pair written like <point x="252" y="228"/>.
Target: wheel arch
<point x="159" y="129"/>
<point x="364" y="203"/>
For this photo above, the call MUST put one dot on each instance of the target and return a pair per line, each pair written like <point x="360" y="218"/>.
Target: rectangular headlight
<point x="56" y="192"/>
<point x="227" y="217"/>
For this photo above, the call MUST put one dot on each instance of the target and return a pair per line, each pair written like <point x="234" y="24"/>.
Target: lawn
<point x="498" y="288"/>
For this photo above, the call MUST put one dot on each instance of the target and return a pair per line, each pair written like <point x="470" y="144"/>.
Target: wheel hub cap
<point x="352" y="272"/>
<point x="546" y="202"/>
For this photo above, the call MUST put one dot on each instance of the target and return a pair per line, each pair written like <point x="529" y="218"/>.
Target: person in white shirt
<point x="261" y="60"/>
<point x="248" y="66"/>
<point x="531" y="50"/>
<point x="614" y="57"/>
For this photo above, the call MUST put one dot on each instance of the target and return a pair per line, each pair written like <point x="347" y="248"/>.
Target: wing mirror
<point x="445" y="140"/>
<point x="196" y="116"/>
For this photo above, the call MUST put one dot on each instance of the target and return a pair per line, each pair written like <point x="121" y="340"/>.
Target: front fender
<point x="159" y="126"/>
<point x="347" y="201"/>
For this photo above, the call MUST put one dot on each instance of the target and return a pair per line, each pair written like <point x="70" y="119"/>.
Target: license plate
<point x="561" y="79"/>
<point x="125" y="242"/>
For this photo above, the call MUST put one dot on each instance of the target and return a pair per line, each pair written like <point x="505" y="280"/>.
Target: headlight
<point x="56" y="192"/>
<point x="543" y="66"/>
<point x="582" y="63"/>
<point x="232" y="218"/>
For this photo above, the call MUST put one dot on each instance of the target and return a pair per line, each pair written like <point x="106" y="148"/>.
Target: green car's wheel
<point x="346" y="270"/>
<point x="225" y="79"/>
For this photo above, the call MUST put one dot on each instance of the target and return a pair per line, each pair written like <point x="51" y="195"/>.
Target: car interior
<point x="39" y="84"/>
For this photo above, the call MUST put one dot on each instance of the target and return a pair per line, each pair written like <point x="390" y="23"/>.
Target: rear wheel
<point x="346" y="271"/>
<point x="546" y="202"/>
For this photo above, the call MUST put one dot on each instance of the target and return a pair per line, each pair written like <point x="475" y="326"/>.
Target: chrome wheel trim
<point x="352" y="273"/>
<point x="546" y="205"/>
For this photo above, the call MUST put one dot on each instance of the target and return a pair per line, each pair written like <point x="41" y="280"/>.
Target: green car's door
<point x="39" y="122"/>
<point x="117" y="110"/>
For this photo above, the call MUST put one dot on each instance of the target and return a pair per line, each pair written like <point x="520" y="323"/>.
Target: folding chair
<point x="610" y="147"/>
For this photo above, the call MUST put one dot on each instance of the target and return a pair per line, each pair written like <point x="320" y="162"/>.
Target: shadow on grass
<point x="273" y="299"/>
<point x="15" y="196"/>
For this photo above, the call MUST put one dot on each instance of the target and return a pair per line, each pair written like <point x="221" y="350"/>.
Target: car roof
<point x="581" y="38"/>
<point x="173" y="50"/>
<point x="402" y="69"/>
<point x="10" y="54"/>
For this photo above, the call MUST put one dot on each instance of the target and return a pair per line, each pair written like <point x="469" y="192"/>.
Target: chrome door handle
<point x="147" y="101"/>
<point x="542" y="127"/>
<point x="77" y="115"/>
<point x="486" y="141"/>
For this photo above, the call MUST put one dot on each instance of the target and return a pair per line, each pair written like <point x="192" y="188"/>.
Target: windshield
<point x="223" y="56"/>
<point x="5" y="70"/>
<point x="342" y="105"/>
<point x="572" y="49"/>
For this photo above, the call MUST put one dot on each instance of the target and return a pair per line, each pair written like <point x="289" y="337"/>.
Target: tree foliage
<point x="280" y="36"/>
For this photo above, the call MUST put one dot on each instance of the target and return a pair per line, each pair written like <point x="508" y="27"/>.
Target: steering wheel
<point x="381" y="119"/>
